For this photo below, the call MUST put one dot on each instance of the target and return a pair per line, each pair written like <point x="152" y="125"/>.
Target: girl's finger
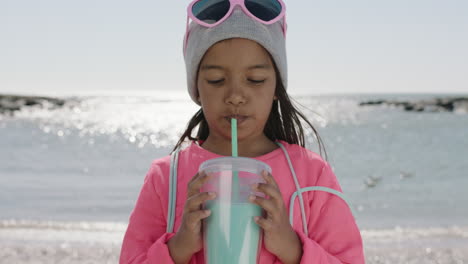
<point x="193" y="203"/>
<point x="269" y="178"/>
<point x="196" y="183"/>
<point x="195" y="217"/>
<point x="267" y="204"/>
<point x="194" y="178"/>
<point x="264" y="223"/>
<point x="269" y="190"/>
<point x="190" y="190"/>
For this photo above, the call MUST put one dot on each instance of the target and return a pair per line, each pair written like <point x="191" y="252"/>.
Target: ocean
<point x="73" y="173"/>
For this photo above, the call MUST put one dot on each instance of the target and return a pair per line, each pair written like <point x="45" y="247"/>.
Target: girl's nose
<point x="235" y="94"/>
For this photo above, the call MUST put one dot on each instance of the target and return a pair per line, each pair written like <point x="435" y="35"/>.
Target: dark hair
<point x="283" y="123"/>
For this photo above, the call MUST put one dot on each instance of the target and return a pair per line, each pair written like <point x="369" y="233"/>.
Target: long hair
<point x="284" y="122"/>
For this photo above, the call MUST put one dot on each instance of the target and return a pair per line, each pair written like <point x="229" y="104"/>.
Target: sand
<point x="100" y="253"/>
<point x="78" y="243"/>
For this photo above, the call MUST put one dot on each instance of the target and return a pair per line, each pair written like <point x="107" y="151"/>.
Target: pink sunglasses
<point x="217" y="11"/>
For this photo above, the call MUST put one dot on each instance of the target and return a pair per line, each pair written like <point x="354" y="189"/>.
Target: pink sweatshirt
<point x="333" y="234"/>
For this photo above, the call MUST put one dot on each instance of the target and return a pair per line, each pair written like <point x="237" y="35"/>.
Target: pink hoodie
<point x="333" y="234"/>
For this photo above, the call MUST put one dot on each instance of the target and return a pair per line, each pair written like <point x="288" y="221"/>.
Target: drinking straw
<point x="235" y="176"/>
<point x="234" y="137"/>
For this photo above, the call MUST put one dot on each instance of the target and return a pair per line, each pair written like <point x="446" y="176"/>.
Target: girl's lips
<point x="240" y="119"/>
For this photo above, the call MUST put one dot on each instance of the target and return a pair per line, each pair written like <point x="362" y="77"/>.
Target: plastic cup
<point x="230" y="234"/>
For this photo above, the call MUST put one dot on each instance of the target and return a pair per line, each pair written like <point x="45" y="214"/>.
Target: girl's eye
<point x="257" y="81"/>
<point x="250" y="80"/>
<point x="215" y="81"/>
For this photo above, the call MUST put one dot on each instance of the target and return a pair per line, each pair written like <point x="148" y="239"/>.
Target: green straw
<point x="234" y="137"/>
<point x="235" y="176"/>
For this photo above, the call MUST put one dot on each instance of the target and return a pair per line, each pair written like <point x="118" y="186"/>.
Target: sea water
<point x="83" y="162"/>
<point x="63" y="170"/>
<point x="230" y="233"/>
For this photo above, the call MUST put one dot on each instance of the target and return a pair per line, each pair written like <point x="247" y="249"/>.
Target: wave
<point x="76" y="226"/>
<point x="416" y="233"/>
<point x="19" y="226"/>
<point x="30" y="231"/>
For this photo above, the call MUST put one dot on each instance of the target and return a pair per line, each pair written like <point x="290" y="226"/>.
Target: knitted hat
<point x="238" y="25"/>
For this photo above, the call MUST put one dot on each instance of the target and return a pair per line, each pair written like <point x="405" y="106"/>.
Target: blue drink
<point x="230" y="234"/>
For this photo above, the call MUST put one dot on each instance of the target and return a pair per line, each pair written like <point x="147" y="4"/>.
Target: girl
<point x="236" y="68"/>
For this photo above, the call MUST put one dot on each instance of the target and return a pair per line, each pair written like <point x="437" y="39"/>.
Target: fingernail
<point x="254" y="186"/>
<point x="212" y="194"/>
<point x="256" y="218"/>
<point x="207" y="212"/>
<point x="252" y="198"/>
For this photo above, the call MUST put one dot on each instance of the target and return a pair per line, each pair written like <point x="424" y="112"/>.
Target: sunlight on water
<point x="344" y="111"/>
<point x="160" y="122"/>
<point x="388" y="161"/>
<point x="139" y="120"/>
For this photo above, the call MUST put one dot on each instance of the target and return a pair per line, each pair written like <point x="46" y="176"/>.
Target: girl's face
<point x="236" y="78"/>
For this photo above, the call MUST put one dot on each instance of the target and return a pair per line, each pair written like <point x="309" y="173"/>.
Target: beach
<point x="65" y="242"/>
<point x="70" y="174"/>
<point x="109" y="254"/>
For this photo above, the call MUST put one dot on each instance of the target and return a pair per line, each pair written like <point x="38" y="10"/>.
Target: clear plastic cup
<point x="230" y="234"/>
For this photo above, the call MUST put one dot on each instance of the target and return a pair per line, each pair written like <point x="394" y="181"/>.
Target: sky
<point x="333" y="47"/>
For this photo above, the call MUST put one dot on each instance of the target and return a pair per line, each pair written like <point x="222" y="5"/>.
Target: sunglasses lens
<point x="210" y="11"/>
<point x="265" y="10"/>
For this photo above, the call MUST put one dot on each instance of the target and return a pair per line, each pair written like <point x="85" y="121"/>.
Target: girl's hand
<point x="188" y="239"/>
<point x="279" y="236"/>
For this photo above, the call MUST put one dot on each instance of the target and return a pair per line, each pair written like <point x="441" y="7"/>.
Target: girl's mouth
<point x="240" y="119"/>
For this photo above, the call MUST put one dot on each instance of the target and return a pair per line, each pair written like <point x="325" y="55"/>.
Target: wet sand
<point x="83" y="243"/>
<point x="101" y="253"/>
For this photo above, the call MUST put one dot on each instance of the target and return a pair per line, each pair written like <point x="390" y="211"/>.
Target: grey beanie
<point x="238" y="25"/>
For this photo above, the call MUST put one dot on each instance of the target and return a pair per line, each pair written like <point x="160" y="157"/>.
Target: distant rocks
<point x="12" y="103"/>
<point x="372" y="181"/>
<point x="454" y="104"/>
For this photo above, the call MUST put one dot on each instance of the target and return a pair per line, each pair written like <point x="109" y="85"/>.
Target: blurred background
<point x="92" y="91"/>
